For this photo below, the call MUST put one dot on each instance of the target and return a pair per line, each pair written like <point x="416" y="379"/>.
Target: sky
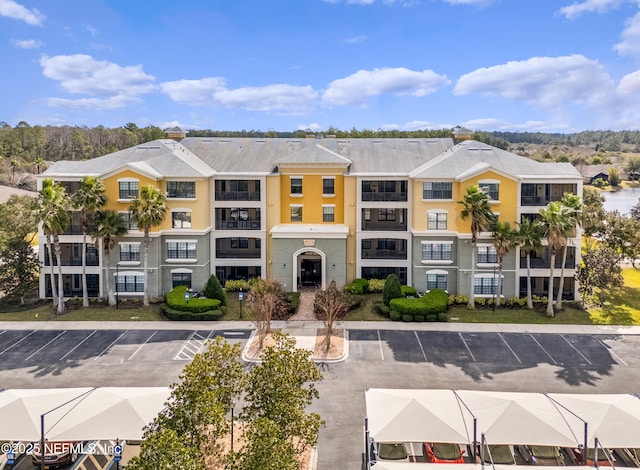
<point x="488" y="65"/>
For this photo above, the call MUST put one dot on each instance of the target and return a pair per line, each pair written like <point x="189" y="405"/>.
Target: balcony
<point x="540" y="194"/>
<point x="394" y="220"/>
<point x="542" y="259"/>
<point x="384" y="191"/>
<point x="71" y="255"/>
<point x="238" y="247"/>
<point x="384" y="248"/>
<point x="237" y="190"/>
<point x="238" y="219"/>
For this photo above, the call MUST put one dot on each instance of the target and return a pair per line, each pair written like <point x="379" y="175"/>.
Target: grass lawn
<point x="44" y="311"/>
<point x="623" y="305"/>
<point x="569" y="316"/>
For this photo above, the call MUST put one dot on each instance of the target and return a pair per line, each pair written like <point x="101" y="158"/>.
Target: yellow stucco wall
<point x="312" y="198"/>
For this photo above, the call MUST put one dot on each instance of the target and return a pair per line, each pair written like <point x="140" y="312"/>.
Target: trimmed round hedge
<point x="430" y="307"/>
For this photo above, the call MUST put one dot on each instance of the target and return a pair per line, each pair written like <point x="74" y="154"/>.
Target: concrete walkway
<point x="305" y="309"/>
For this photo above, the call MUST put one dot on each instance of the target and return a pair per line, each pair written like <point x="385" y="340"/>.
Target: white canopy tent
<point x="79" y="413"/>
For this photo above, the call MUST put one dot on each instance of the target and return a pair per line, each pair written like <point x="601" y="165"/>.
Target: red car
<point x="443" y="453"/>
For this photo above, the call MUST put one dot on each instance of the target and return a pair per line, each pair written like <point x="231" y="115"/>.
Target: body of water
<point x="621" y="201"/>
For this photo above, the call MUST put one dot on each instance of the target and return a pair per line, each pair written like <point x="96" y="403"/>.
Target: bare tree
<point x="331" y="306"/>
<point x="266" y="301"/>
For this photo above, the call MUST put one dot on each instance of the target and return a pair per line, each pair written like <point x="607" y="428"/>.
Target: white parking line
<point x="17" y="342"/>
<point x="576" y="349"/>
<point x="421" y="348"/>
<point x="109" y="347"/>
<point x="44" y="346"/>
<point x="140" y="347"/>
<point x="77" y="345"/>
<point x="612" y="352"/>
<point x="545" y="351"/>
<point x="192" y="346"/>
<point x="512" y="351"/>
<point x="380" y="345"/>
<point x="467" y="346"/>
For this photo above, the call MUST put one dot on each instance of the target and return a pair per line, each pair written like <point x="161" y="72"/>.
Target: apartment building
<point x="309" y="211"/>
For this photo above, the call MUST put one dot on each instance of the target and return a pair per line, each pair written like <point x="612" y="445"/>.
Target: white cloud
<point x="181" y="125"/>
<point x="599" y="6"/>
<point x="356" y="39"/>
<point x="629" y="46"/>
<point x="416" y="126"/>
<point x="544" y="81"/>
<point x="14" y="10"/>
<point x="81" y="73"/>
<point x="278" y="97"/>
<point x="363" y="84"/>
<point x="314" y="126"/>
<point x="27" y="43"/>
<point x="91" y="30"/>
<point x="630" y="83"/>
<point x="493" y="124"/>
<point x="469" y="2"/>
<point x="112" y="102"/>
<point x="194" y="92"/>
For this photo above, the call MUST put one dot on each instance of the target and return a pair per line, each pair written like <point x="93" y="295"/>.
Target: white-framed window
<point x="436" y="251"/>
<point x="181" y="189"/>
<point x="487" y="254"/>
<point x="491" y="188"/>
<point x="181" y="277"/>
<point x="128" y="188"/>
<point x="485" y="284"/>
<point x="437" y="220"/>
<point x="181" y="249"/>
<point x="129" y="251"/>
<point x="181" y="219"/>
<point x="437" y="190"/>
<point x="129" y="282"/>
<point x="328" y="185"/>
<point x="296" y="184"/>
<point x="328" y="212"/>
<point x="436" y="279"/>
<point x="296" y="212"/>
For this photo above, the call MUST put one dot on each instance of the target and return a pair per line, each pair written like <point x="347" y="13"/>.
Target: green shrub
<point x="362" y="282"/>
<point x="354" y="301"/>
<point x="458" y="299"/>
<point x="381" y="308"/>
<point x="355" y="289"/>
<point x="178" y="315"/>
<point x="293" y="299"/>
<point x="432" y="317"/>
<point x="235" y="286"/>
<point x="418" y="318"/>
<point x="376" y="285"/>
<point x="176" y="301"/>
<point x="392" y="289"/>
<point x="395" y="315"/>
<point x="408" y="306"/>
<point x="429" y="306"/>
<point x="213" y="290"/>
<point x="407" y="317"/>
<point x="408" y="291"/>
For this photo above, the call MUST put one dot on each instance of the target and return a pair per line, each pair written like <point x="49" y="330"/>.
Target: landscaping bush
<point x="354" y="301"/>
<point x="213" y="290"/>
<point x="395" y="315"/>
<point x="376" y="285"/>
<point x="408" y="291"/>
<point x="176" y="301"/>
<point x="381" y="308"/>
<point x="362" y="282"/>
<point x="178" y="315"/>
<point x="418" y="318"/>
<point x="407" y="318"/>
<point x="293" y="299"/>
<point x="235" y="286"/>
<point x="458" y="299"/>
<point x="392" y="289"/>
<point x="355" y="289"/>
<point x="429" y="307"/>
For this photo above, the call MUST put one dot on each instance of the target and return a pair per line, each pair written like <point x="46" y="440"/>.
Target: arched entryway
<point x="309" y="268"/>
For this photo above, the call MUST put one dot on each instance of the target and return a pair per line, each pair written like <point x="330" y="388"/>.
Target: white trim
<point x="182" y="271"/>
<point x="437" y="271"/>
<point x="171" y="240"/>
<point x="181" y="209"/>
<point x="129" y="273"/>
<point x="128" y="243"/>
<point x="128" y="179"/>
<point x="489" y="181"/>
<point x="437" y="211"/>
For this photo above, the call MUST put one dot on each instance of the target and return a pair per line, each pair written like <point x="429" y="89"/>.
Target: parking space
<point x="510" y="350"/>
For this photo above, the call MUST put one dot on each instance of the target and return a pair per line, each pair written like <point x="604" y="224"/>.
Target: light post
<point x="117" y="290"/>
<point x="233" y="404"/>
<point x="240" y="298"/>
<point x="495" y="289"/>
<point x="187" y="295"/>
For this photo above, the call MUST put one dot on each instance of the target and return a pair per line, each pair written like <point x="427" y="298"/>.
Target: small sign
<point x="309" y="242"/>
<point x="240" y="296"/>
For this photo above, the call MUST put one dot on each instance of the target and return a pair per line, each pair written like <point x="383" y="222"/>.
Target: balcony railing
<point x="383" y="196"/>
<point x="238" y="225"/>
<point x="237" y="195"/>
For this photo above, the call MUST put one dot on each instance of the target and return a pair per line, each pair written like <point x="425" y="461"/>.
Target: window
<point x="328" y="186"/>
<point x="328" y="213"/>
<point x="296" y="185"/>
<point x="181" y="189"/>
<point x="128" y="190"/>
<point x="436" y="251"/>
<point x="128" y="221"/>
<point x="492" y="190"/>
<point x="239" y="242"/>
<point x="296" y="213"/>
<point x="130" y="252"/>
<point x="181" y="250"/>
<point x="436" y="281"/>
<point x="181" y="279"/>
<point x="181" y="219"/>
<point x="437" y="221"/>
<point x="129" y="283"/>
<point x="387" y="244"/>
<point x="386" y="214"/>
<point x="485" y="285"/>
<point x="487" y="254"/>
<point x="437" y="190"/>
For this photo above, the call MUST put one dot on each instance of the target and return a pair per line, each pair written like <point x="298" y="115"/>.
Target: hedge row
<point x="430" y="307"/>
<point x="176" y="301"/>
<point x="178" y="315"/>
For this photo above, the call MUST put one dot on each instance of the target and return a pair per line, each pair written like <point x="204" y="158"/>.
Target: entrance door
<point x="310" y="272"/>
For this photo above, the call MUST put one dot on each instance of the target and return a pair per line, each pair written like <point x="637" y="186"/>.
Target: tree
<point x="88" y="200"/>
<point x="108" y="226"/>
<point x="213" y="290"/>
<point x="279" y="389"/>
<point x="265" y="302"/>
<point x="632" y="167"/>
<point x="475" y="206"/>
<point x="598" y="273"/>
<point x="504" y="239"/>
<point x="555" y="219"/>
<point x="14" y="167"/>
<point x="573" y="204"/>
<point x="392" y="289"/>
<point x="614" y="177"/>
<point x="148" y="211"/>
<point x="529" y="237"/>
<point x="593" y="212"/>
<point x="331" y="305"/>
<point x="634" y="212"/>
<point x="55" y="217"/>
<point x="164" y="450"/>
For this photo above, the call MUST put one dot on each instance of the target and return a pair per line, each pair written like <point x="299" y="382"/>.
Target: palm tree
<point x="148" y="211"/>
<point x="504" y="239"/>
<point x="87" y="200"/>
<point x="529" y="237"/>
<point x="555" y="219"/>
<point x="109" y="226"/>
<point x="574" y="211"/>
<point x="55" y="217"/>
<point x="476" y="206"/>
